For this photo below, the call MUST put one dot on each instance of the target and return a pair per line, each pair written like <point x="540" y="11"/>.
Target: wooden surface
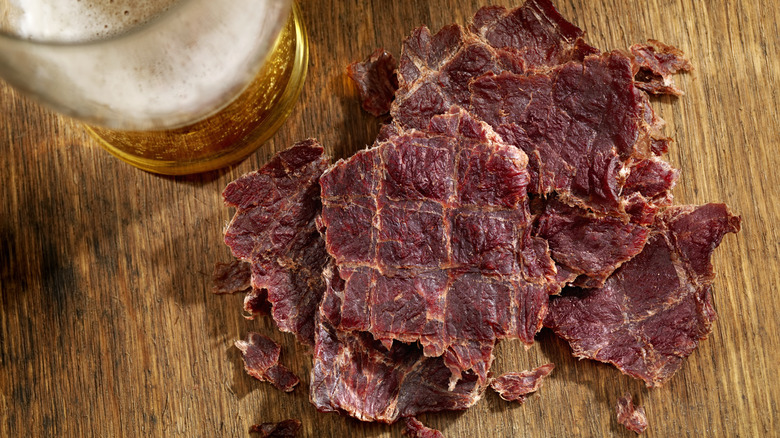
<point x="108" y="326"/>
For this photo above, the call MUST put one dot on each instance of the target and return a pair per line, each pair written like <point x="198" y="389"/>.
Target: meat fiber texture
<point x="283" y="429"/>
<point x="430" y="231"/>
<point x="652" y="312"/>
<point x="274" y="230"/>
<point x="376" y="81"/>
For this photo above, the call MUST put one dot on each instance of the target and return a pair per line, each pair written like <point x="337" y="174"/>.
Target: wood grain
<point x="108" y="326"/>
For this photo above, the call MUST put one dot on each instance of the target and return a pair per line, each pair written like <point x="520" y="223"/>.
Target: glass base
<point x="234" y="132"/>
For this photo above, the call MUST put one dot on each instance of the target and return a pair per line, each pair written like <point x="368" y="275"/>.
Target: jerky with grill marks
<point x="430" y="233"/>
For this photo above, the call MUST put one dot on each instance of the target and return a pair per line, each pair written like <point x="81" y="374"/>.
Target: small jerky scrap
<point x="652" y="312"/>
<point x="376" y="81"/>
<point x="233" y="277"/>
<point x="435" y="70"/>
<point x="588" y="246"/>
<point x="655" y="63"/>
<point x="261" y="361"/>
<point x="632" y="417"/>
<point x="430" y="231"/>
<point x="517" y="386"/>
<point x="282" y="429"/>
<point x="274" y="230"/>
<point x="415" y="429"/>
<point x="356" y="375"/>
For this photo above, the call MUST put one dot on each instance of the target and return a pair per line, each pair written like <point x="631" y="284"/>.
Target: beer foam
<point x="168" y="75"/>
<point x="81" y="20"/>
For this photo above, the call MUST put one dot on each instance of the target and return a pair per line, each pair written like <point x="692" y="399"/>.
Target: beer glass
<point x="172" y="87"/>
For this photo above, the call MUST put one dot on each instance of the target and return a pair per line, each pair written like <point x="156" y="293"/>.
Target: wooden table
<point x="108" y="326"/>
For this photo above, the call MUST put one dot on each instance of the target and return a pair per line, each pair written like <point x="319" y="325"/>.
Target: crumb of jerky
<point x="282" y="429"/>
<point x="232" y="277"/>
<point x="261" y="361"/>
<point x="633" y="417"/>
<point x="376" y="81"/>
<point x="415" y="429"/>
<point x="517" y="386"/>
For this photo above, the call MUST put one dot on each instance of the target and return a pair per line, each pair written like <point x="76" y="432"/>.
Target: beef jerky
<point x="652" y="312"/>
<point x="231" y="278"/>
<point x="376" y="81"/>
<point x="415" y="429"/>
<point x="430" y="234"/>
<point x="355" y="374"/>
<point x="580" y="125"/>
<point x="655" y="63"/>
<point x="517" y="386"/>
<point x="435" y="70"/>
<point x="274" y="230"/>
<point x="632" y="417"/>
<point x="590" y="247"/>
<point x="261" y="361"/>
<point x="282" y="429"/>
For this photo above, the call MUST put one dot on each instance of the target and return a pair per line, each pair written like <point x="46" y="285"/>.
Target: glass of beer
<point x="169" y="86"/>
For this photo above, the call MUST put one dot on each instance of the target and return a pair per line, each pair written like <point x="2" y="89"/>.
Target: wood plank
<point x="108" y="326"/>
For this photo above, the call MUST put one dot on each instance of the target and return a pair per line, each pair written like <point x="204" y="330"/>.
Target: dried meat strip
<point x="415" y="429"/>
<point x="430" y="233"/>
<point x="581" y="125"/>
<point x="261" y="361"/>
<point x="630" y="416"/>
<point x="517" y="386"/>
<point x="355" y="374"/>
<point x="652" y="312"/>
<point x="274" y="230"/>
<point x="587" y="246"/>
<point x="655" y="63"/>
<point x="283" y="429"/>
<point x="435" y="70"/>
<point x="376" y="81"/>
<point x="231" y="278"/>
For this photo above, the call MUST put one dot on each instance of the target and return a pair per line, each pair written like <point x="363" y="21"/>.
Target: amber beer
<point x="234" y="132"/>
<point x="170" y="86"/>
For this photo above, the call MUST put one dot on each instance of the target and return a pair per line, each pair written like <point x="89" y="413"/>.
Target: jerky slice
<point x="632" y="417"/>
<point x="588" y="246"/>
<point x="652" y="312"/>
<point x="435" y="70"/>
<point x="376" y="81"/>
<point x="261" y="361"/>
<point x="517" y="386"/>
<point x="429" y="231"/>
<point x="356" y="375"/>
<point x="274" y="230"/>
<point x="655" y="63"/>
<point x="415" y="429"/>
<point x="231" y="278"/>
<point x="282" y="429"/>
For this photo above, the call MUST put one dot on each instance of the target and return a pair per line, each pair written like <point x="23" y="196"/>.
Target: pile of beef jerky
<point x="518" y="183"/>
